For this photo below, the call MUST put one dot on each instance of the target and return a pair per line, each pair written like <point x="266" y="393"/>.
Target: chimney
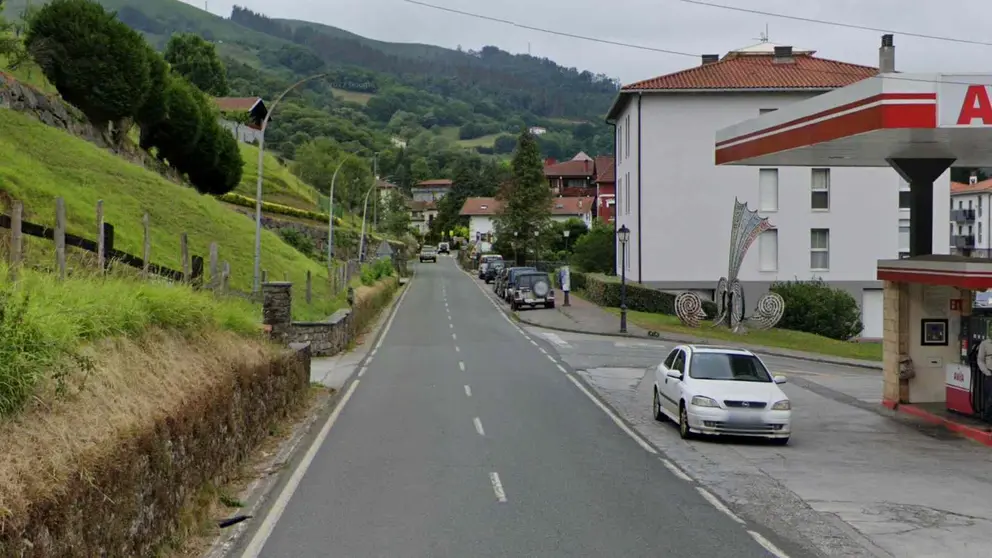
<point x="710" y="58"/>
<point x="887" y="55"/>
<point x="783" y="55"/>
<point x="550" y="161"/>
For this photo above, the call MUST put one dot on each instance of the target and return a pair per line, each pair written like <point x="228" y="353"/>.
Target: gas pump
<point x="969" y="384"/>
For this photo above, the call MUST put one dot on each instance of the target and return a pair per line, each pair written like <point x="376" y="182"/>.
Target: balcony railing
<point x="963" y="240"/>
<point x="963" y="215"/>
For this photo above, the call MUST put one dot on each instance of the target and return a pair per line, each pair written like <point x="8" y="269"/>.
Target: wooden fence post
<point x="16" y="239"/>
<point x="197" y="275"/>
<point x="184" y="255"/>
<point x="265" y="276"/>
<point x="214" y="279"/>
<point x="309" y="287"/>
<point x="60" y="237"/>
<point x="100" y="250"/>
<point x="225" y="277"/>
<point x="108" y="244"/>
<point x="147" y="250"/>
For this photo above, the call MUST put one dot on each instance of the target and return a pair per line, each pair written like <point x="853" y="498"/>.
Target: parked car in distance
<point x="443" y="248"/>
<point x="511" y="278"/>
<point x="533" y="289"/>
<point x="428" y="253"/>
<point x="492" y="270"/>
<point x="484" y="263"/>
<point x="721" y="391"/>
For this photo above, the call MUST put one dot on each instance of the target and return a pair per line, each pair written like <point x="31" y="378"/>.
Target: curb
<point x="661" y="337"/>
<point x="983" y="437"/>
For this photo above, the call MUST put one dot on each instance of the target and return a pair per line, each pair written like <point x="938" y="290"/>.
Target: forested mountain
<point x="379" y="92"/>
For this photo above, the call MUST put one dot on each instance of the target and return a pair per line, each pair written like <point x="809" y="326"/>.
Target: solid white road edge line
<point x="716" y="503"/>
<point x="647" y="447"/>
<point x="468" y="391"/>
<point x="461" y="365"/>
<point x="767" y="544"/>
<point x="478" y="426"/>
<point x="562" y="368"/>
<point x="271" y="518"/>
<point x="268" y="524"/>
<point x="497" y="487"/>
<point x="362" y="371"/>
<point x="675" y="470"/>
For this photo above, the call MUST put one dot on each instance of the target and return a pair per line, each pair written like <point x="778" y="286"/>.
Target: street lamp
<point x="516" y="260"/>
<point x="566" y="232"/>
<point x="365" y="212"/>
<point x="330" y="219"/>
<point x="623" y="235"/>
<point x="258" y="188"/>
<point x="537" y="247"/>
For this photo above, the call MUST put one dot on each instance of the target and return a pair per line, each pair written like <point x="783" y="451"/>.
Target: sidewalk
<point x="583" y="316"/>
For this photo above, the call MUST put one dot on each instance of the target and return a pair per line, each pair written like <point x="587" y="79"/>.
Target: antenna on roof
<point x="763" y="37"/>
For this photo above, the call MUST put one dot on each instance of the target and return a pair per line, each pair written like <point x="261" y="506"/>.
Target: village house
<point x="481" y="213"/>
<point x="243" y="116"/>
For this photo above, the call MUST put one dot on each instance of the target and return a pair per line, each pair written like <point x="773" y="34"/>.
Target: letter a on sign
<point x="976" y="105"/>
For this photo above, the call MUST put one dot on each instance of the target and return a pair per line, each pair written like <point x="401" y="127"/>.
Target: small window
<point x="979" y="232"/>
<point x="768" y="250"/>
<point x="904" y="199"/>
<point x="970" y="202"/>
<point x="819" y="255"/>
<point x="627" y="129"/>
<point x="768" y="190"/>
<point x="627" y="195"/>
<point x="671" y="358"/>
<point x="820" y="195"/>
<point x="483" y="207"/>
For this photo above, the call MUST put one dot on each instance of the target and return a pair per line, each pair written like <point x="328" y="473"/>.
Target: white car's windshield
<point x="728" y="366"/>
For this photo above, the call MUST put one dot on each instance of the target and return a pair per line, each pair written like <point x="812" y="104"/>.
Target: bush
<point x="595" y="251"/>
<point x="815" y="307"/>
<point x="606" y="292"/>
<point x="302" y="242"/>
<point x="375" y="271"/>
<point x="96" y="62"/>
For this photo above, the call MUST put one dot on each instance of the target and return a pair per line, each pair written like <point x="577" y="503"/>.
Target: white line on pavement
<point x="457" y="350"/>
<point x="542" y="351"/>
<point x="478" y="426"/>
<point x="556" y="339"/>
<point x="454" y="336"/>
<point x="468" y="391"/>
<point x="647" y="447"/>
<point x="497" y="487"/>
<point x="362" y="371"/>
<point x="776" y="551"/>
<point x="451" y="326"/>
<point x="716" y="503"/>
<point x="562" y="368"/>
<point x="675" y="470"/>
<point x="461" y="365"/>
<point x="449" y="317"/>
<point x="532" y="342"/>
<point x="372" y="354"/>
<point x="551" y="358"/>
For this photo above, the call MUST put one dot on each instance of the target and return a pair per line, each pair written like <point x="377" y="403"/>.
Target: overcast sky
<point x="664" y="24"/>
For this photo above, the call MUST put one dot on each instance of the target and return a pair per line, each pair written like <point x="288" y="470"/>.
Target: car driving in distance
<point x="443" y="248"/>
<point x="721" y="391"/>
<point x="428" y="253"/>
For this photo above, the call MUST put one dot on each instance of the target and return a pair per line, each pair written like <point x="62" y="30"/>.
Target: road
<point x="464" y="437"/>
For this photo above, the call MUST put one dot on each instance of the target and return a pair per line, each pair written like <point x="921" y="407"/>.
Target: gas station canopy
<point x="868" y="124"/>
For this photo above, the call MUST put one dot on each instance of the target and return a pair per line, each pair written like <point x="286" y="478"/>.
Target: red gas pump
<point x="969" y="384"/>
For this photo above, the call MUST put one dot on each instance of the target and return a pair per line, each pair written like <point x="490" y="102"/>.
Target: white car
<point x="718" y="390"/>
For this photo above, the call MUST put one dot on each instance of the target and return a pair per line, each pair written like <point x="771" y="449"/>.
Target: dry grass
<point x="133" y="384"/>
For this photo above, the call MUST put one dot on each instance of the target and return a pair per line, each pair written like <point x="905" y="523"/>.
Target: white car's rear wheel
<point x="659" y="415"/>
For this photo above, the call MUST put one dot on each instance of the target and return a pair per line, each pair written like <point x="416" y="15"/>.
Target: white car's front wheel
<point x="684" y="431"/>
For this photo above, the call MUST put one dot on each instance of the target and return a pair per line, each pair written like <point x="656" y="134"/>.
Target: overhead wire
<point x="697" y="56"/>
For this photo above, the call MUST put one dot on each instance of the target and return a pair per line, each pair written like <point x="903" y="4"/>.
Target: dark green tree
<point x="176" y="133"/>
<point x="396" y="217"/>
<point x="526" y="199"/>
<point x="152" y="113"/>
<point x="95" y="61"/>
<point x="595" y="251"/>
<point x="196" y="59"/>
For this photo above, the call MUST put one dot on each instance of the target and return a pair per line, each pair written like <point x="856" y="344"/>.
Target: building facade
<point x="482" y="213"/>
<point x="430" y="190"/>
<point x="970" y="218"/>
<point x="830" y="223"/>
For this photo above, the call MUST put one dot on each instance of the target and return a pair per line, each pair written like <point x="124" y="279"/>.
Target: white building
<point x="422" y="214"/>
<point x="831" y="223"/>
<point x="483" y="211"/>
<point x="971" y="218"/>
<point x="242" y="116"/>
<point x="431" y="190"/>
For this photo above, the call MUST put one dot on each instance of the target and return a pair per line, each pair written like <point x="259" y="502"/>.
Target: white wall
<point x="481" y="224"/>
<point x="983" y="217"/>
<point x="626" y="190"/>
<point x="688" y="201"/>
<point x="241" y="132"/>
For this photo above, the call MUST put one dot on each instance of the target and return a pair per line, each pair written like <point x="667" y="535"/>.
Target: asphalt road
<point x="465" y="439"/>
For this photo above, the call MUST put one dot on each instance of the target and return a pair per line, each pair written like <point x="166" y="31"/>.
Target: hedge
<point x="639" y="299"/>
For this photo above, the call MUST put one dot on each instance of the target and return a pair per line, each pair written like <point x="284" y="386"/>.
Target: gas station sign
<point x="965" y="101"/>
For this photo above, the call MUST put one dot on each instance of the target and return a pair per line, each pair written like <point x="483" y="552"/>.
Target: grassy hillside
<point x="41" y="163"/>
<point x="279" y="185"/>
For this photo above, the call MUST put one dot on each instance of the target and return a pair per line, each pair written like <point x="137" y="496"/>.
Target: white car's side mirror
<point x="675" y="375"/>
<point x="780" y="379"/>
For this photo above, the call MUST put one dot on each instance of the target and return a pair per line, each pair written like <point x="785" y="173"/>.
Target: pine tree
<point x="526" y="201"/>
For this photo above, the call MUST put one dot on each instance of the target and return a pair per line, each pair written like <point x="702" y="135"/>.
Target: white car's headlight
<point x="783" y="405"/>
<point x="700" y="401"/>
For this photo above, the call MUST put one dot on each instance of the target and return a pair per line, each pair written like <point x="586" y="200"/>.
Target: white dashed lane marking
<point x="468" y="391"/>
<point x="497" y="487"/>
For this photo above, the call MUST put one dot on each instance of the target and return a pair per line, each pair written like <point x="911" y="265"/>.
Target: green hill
<point x="41" y="163"/>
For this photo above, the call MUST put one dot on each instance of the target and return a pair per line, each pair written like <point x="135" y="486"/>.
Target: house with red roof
<point x="243" y="116"/>
<point x="482" y="213"/>
<point x="829" y="223"/>
<point x="970" y="218"/>
<point x="431" y="190"/>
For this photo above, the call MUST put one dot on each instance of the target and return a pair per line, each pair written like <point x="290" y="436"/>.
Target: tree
<point x="505" y="143"/>
<point x="595" y="251"/>
<point x="152" y="113"/>
<point x="95" y="61"/>
<point x="396" y="217"/>
<point x="196" y="59"/>
<point x="177" y="132"/>
<point x="214" y="165"/>
<point x="526" y="200"/>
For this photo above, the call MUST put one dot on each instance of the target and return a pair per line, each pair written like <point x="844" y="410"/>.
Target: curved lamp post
<point x="258" y="188"/>
<point x="365" y="212"/>
<point x="623" y="236"/>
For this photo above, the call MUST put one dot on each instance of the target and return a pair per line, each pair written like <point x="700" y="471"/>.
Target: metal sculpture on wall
<point x="745" y="227"/>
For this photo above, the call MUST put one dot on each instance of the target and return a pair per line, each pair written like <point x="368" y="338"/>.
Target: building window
<point x="960" y="204"/>
<point x="768" y="250"/>
<point x="765" y="111"/>
<point x="970" y="202"/>
<point x="619" y="143"/>
<point x="627" y="195"/>
<point x="979" y="206"/>
<point x="820" y="195"/>
<point x="768" y="190"/>
<point x="620" y="196"/>
<point x="904" y="234"/>
<point x="626" y="128"/>
<point x="904" y="199"/>
<point x="819" y="249"/>
<point x="979" y="231"/>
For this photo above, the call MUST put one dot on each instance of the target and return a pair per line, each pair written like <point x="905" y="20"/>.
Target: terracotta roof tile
<point x="605" y="170"/>
<point x="571" y="169"/>
<point x="961" y="188"/>
<point x="761" y="71"/>
<point x="559" y="206"/>
<point x="230" y="104"/>
<point x="480" y="206"/>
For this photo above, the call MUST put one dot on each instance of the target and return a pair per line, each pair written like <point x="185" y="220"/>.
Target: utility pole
<point x="375" y="202"/>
